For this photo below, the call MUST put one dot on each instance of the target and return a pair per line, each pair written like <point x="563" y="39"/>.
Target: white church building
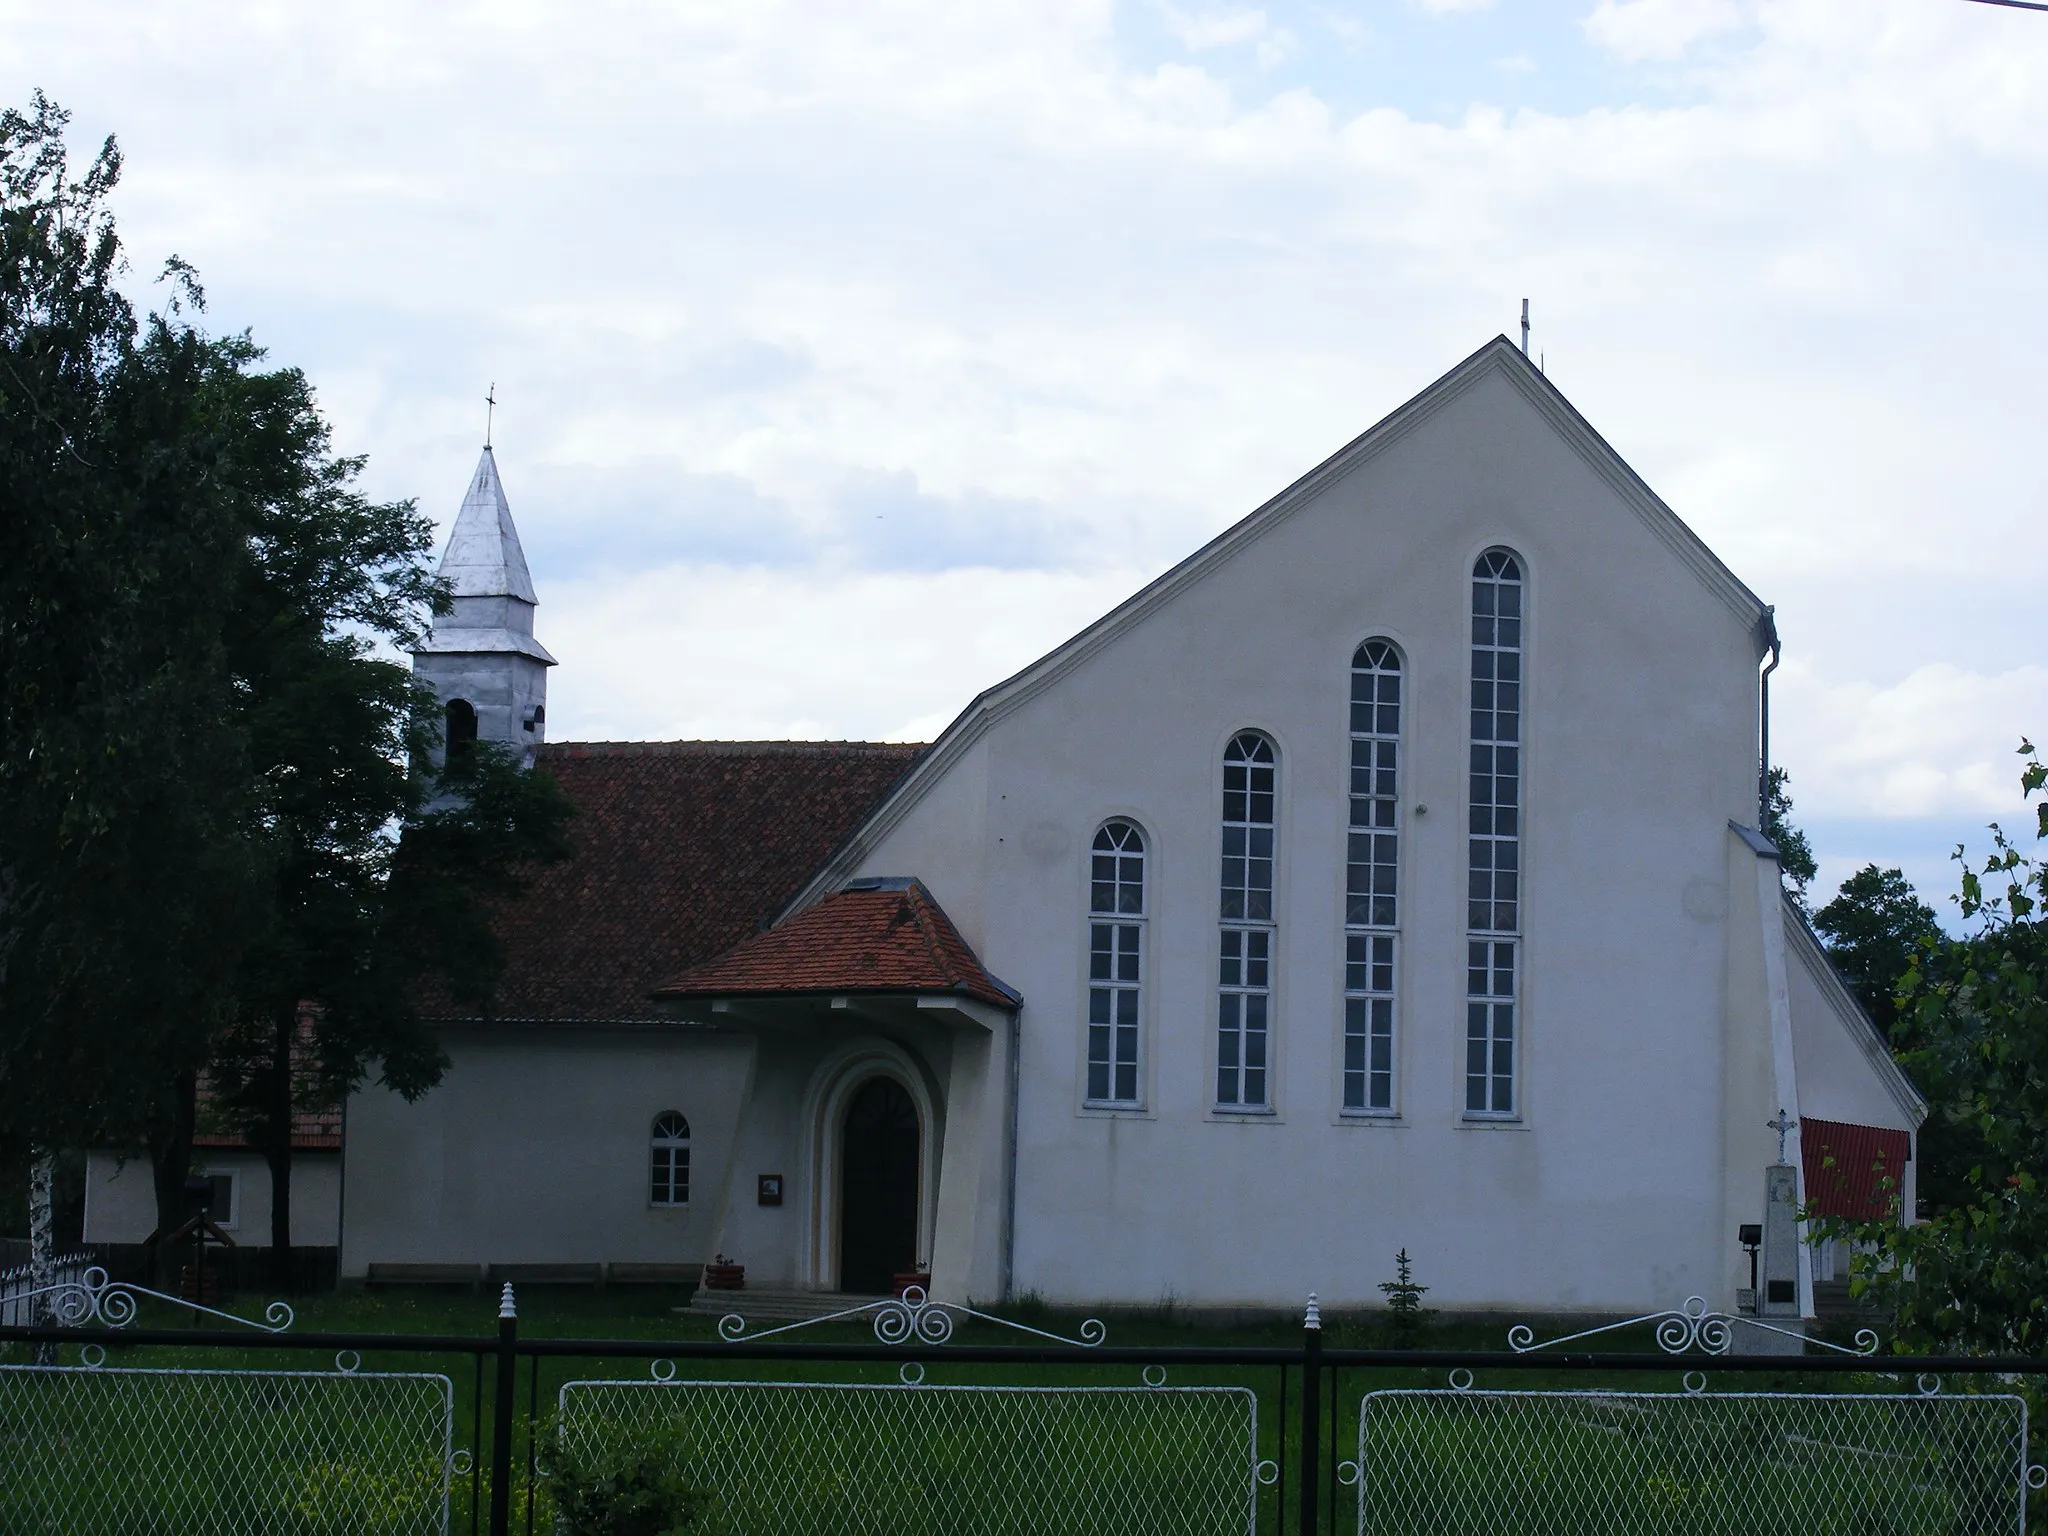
<point x="1385" y="875"/>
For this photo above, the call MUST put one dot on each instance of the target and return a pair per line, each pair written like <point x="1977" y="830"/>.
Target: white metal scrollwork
<point x="113" y="1304"/>
<point x="1687" y="1328"/>
<point x="912" y="1318"/>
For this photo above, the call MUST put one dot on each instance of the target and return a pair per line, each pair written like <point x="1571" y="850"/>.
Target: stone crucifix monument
<point x="1777" y="1301"/>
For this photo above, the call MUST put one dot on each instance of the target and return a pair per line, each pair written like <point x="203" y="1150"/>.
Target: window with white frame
<point x="1371" y="897"/>
<point x="1116" y="962"/>
<point x="1244" y="983"/>
<point x="669" y="1146"/>
<point x="1494" y="841"/>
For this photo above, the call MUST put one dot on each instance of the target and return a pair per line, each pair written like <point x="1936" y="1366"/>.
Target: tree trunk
<point x="277" y="1148"/>
<point x="42" y="1241"/>
<point x="170" y="1165"/>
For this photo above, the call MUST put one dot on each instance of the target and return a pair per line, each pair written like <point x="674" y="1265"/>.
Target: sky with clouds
<point x="850" y="355"/>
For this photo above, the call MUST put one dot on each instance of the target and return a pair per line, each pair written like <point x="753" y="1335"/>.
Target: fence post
<point x="501" y="1417"/>
<point x="1311" y="1413"/>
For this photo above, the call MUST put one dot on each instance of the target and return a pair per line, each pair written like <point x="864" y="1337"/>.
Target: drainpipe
<point x="1768" y="632"/>
<point x="1010" y="1164"/>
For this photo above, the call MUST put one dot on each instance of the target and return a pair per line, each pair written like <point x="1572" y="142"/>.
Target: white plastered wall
<point x="1609" y="1191"/>
<point x="534" y="1150"/>
<point x="1845" y="1072"/>
<point x="120" y="1199"/>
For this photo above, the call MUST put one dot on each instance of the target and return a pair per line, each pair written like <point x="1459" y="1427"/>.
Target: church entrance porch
<point x="879" y="1186"/>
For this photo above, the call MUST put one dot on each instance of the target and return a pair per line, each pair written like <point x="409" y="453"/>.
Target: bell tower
<point x="490" y="673"/>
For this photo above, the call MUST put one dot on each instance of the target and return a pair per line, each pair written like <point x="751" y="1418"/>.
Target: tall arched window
<point x="1372" y="867"/>
<point x="1245" y="988"/>
<point x="1116" y="962"/>
<point x="1494" y="846"/>
<point x="669" y="1144"/>
<point x="459" y="732"/>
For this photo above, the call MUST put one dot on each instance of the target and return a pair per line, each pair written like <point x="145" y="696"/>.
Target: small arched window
<point x="1244" y="995"/>
<point x="1116" y="962"/>
<point x="459" y="731"/>
<point x="669" y="1144"/>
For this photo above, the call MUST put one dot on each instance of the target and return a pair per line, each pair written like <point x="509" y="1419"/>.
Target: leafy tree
<point x="1873" y="928"/>
<point x="377" y="869"/>
<point x="215" y="799"/>
<point x="1795" y="854"/>
<point x="1973" y="1024"/>
<point x="123" y="877"/>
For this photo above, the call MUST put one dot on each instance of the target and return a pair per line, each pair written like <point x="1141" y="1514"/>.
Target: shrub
<point x="634" y="1490"/>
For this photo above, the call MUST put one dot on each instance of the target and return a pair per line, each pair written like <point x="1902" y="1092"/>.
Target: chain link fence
<point x="93" y="1451"/>
<point x="848" y="1460"/>
<point x="1452" y="1462"/>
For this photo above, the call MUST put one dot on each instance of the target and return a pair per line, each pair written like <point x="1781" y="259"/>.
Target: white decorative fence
<point x="847" y="1459"/>
<point x="1463" y="1462"/>
<point x="96" y="1451"/>
<point x="18" y="1281"/>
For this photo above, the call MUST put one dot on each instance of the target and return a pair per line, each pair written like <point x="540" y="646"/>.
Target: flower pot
<point x="921" y="1278"/>
<point x="725" y="1277"/>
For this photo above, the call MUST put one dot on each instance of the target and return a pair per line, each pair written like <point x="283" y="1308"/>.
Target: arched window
<point x="1116" y="962"/>
<point x="1372" y="868"/>
<point x="1494" y="844"/>
<point x="669" y="1145"/>
<point x="1244" y="990"/>
<point x="459" y="731"/>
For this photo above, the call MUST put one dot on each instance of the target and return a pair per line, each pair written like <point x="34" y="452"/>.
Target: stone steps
<point x="776" y="1304"/>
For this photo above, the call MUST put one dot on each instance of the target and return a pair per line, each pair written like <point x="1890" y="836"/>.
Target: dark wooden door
<point x="878" y="1182"/>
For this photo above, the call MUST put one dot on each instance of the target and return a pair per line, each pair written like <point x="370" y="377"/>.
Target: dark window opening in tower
<point x="460" y="732"/>
<point x="537" y="717"/>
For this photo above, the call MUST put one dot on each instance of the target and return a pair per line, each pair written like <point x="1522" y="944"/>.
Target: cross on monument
<point x="490" y="409"/>
<point x="1783" y="1126"/>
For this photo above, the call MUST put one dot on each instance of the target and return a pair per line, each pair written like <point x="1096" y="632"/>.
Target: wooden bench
<point x="654" y="1274"/>
<point x="591" y="1275"/>
<point x="464" y="1275"/>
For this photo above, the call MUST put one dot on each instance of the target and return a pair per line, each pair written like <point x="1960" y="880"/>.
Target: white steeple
<point x="482" y="658"/>
<point x="483" y="557"/>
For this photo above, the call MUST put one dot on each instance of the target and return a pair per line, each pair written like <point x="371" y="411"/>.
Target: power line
<point x="2018" y="5"/>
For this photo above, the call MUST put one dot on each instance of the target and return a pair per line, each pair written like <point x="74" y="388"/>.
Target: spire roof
<point x="484" y="558"/>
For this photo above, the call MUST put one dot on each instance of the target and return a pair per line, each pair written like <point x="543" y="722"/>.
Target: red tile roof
<point x="682" y="850"/>
<point x="873" y="936"/>
<point x="313" y="1130"/>
<point x="1848" y="1168"/>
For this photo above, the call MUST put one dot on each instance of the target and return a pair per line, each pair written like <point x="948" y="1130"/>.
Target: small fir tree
<point x="1406" y="1316"/>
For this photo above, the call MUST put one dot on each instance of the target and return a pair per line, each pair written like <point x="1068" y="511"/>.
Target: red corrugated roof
<point x="682" y="850"/>
<point x="1853" y="1171"/>
<point x="874" y="936"/>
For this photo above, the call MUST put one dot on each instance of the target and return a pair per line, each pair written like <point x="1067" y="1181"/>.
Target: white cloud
<point x="683" y="652"/>
<point x="1638" y="30"/>
<point x="1199" y="31"/>
<point x="1940" y="741"/>
<point x="754" y="279"/>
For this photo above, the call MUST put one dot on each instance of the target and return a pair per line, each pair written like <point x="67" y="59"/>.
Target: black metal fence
<point x="914" y="1426"/>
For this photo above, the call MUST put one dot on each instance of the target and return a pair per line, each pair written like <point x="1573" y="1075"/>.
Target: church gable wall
<point x="1640" y="718"/>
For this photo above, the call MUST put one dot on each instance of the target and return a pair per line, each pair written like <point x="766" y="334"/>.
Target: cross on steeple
<point x="490" y="409"/>
<point x="1783" y="1126"/>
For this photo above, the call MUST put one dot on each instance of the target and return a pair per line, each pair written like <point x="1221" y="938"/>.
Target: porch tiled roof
<point x="873" y="936"/>
<point x="682" y="849"/>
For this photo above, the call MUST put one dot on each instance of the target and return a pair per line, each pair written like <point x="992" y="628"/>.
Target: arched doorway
<point x="878" y="1187"/>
